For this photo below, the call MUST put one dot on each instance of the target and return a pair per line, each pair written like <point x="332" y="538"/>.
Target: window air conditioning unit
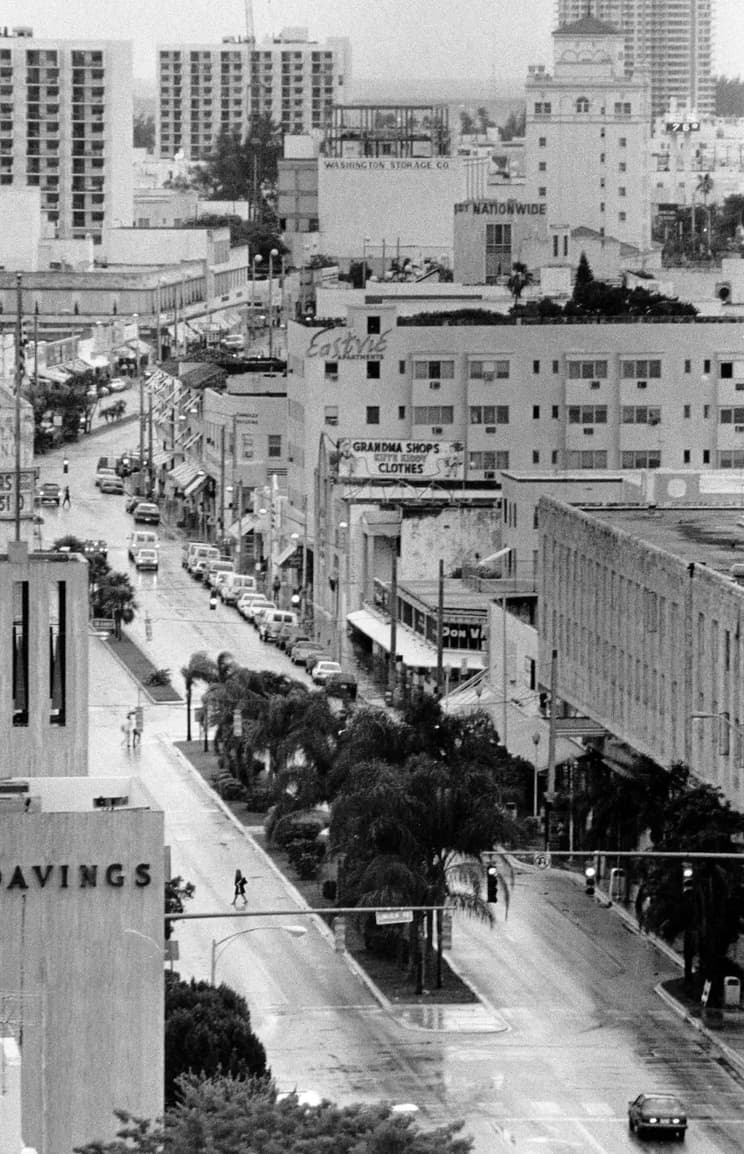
<point x="653" y="420"/>
<point x="739" y="386"/>
<point x="489" y="376"/>
<point x="642" y="384"/>
<point x="437" y="430"/>
<point x="490" y="428"/>
<point x="588" y="432"/>
<point x="490" y="475"/>
<point x="331" y="376"/>
<point x="435" y="384"/>
<point x="739" y="428"/>
<point x="594" y="385"/>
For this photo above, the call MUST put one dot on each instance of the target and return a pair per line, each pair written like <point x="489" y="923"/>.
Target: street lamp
<point x="256" y="260"/>
<point x="274" y="252"/>
<point x="536" y="743"/>
<point x="293" y="931"/>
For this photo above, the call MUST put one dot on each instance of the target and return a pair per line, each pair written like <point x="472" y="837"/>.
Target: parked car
<point x="199" y="558"/>
<point x="249" y="604"/>
<point x="118" y="385"/>
<point x="657" y="1113"/>
<point x="146" y="513"/>
<point x="272" y="621"/>
<point x="300" y="652"/>
<point x="103" y="473"/>
<point x="97" y="548"/>
<point x="146" y="558"/>
<point x="289" y="635"/>
<point x="257" y="615"/>
<point x="217" y="571"/>
<point x="323" y="669"/>
<point x="110" y="483"/>
<point x="235" y="585"/>
<point x="343" y="685"/>
<point x="187" y="548"/>
<point x="312" y="659"/>
<point x="142" y="539"/>
<point x="131" y="503"/>
<point x="49" y="493"/>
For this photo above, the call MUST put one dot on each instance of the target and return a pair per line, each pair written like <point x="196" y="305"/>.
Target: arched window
<point x="582" y="104"/>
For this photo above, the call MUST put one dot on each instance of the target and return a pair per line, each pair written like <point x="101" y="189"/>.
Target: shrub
<point x="159" y="677"/>
<point x="259" y="798"/>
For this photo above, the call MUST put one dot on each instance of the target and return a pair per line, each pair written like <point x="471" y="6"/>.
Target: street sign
<point x="7" y="494"/>
<point x="542" y="861"/>
<point x="706" y="992"/>
<point x="393" y="917"/>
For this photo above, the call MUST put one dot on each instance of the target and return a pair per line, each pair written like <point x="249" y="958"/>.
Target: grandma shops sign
<point x="502" y="208"/>
<point x="391" y="459"/>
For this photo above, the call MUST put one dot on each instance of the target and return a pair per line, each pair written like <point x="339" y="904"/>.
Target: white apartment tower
<point x="206" y="88"/>
<point x="587" y="133"/>
<point x="672" y="38"/>
<point x="66" y="128"/>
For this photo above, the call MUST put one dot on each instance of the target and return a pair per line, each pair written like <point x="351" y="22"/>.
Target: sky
<point x="395" y="39"/>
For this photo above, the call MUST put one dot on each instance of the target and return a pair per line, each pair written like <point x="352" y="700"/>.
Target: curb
<point x="123" y="665"/>
<point x="732" y="1056"/>
<point x="297" y="897"/>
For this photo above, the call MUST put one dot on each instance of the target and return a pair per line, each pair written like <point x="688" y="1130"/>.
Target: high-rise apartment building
<point x="66" y="128"/>
<point x="204" y="89"/>
<point x="672" y="38"/>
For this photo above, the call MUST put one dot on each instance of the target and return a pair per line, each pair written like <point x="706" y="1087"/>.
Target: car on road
<point x="248" y="604"/>
<point x="146" y="558"/>
<point x="146" y="513"/>
<point x="118" y="385"/>
<point x="97" y="548"/>
<point x="657" y="1114"/>
<point x="323" y="669"/>
<point x="234" y="342"/>
<point x="272" y="621"/>
<point x="342" y="685"/>
<point x="300" y="652"/>
<point x="289" y="635"/>
<point x="110" y="483"/>
<point x="131" y="502"/>
<point x="257" y="615"/>
<point x="142" y="539"/>
<point x="216" y="572"/>
<point x="103" y="472"/>
<point x="49" y="493"/>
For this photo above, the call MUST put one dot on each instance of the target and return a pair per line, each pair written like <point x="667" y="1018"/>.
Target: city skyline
<point x="381" y="35"/>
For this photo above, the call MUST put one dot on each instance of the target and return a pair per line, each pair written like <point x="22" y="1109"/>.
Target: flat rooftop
<point x="707" y="536"/>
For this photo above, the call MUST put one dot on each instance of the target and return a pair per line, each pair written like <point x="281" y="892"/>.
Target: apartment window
<point x="331" y="415"/>
<point x="275" y="445"/>
<point x="622" y="108"/>
<point x="555" y="246"/>
<point x="554" y="412"/>
<point x="542" y="142"/>
<point x="542" y="166"/>
<point x="543" y="108"/>
<point x="535" y="412"/>
<point x="587" y="370"/>
<point x="587" y="414"/>
<point x="731" y="416"/>
<point x="401" y="412"/>
<point x="489" y="414"/>
<point x="640" y="415"/>
<point x="583" y="459"/>
<point x="622" y="217"/>
<point x="623" y="142"/>
<point x="57" y="653"/>
<point x="582" y="104"/>
<point x="706" y="412"/>
<point x="632" y="370"/>
<point x="556" y="366"/>
<point x="542" y="191"/>
<point x="498" y="251"/>
<point x="686" y="411"/>
<point x="19" y="643"/>
<point x="373" y="325"/>
<point x="601" y="206"/>
<point x="331" y="370"/>
<point x="488" y="370"/>
<point x="247" y="447"/>
<point x="706" y="366"/>
<point x="688" y="366"/>
<point x="685" y="456"/>
<point x="621" y="190"/>
<point x="433" y="414"/>
<point x="373" y="414"/>
<point x="535" y="367"/>
<point x="535" y="457"/>
<point x="730" y="459"/>
<point x="726" y="370"/>
<point x="373" y="370"/>
<point x="433" y="370"/>
<point x="489" y="460"/>
<point x="622" y="166"/>
<point x="706" y="456"/>
<point x="640" y="459"/>
<point x="601" y="158"/>
<point x="401" y="367"/>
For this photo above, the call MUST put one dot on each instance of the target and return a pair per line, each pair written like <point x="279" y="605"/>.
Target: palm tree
<point x="114" y="597"/>
<point x="520" y="278"/>
<point x="200" y="667"/>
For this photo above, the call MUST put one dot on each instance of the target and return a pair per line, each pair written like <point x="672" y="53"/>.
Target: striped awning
<point x="183" y="474"/>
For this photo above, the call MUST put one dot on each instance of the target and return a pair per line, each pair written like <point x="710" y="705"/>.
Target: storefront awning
<point x="161" y="458"/>
<point x="183" y="474"/>
<point x="95" y="360"/>
<point x="59" y="376"/>
<point x="249" y="522"/>
<point x="414" y="650"/>
<point x="285" y="554"/>
<point x="191" y="440"/>
<point x="195" y="486"/>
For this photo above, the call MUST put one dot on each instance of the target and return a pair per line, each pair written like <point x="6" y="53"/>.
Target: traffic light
<point x="148" y="627"/>
<point x="213" y="599"/>
<point x="688" y="877"/>
<point x="492" y="884"/>
<point x="590" y="879"/>
<point x="65" y="465"/>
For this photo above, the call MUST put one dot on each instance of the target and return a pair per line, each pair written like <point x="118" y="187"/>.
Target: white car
<point x="322" y="670"/>
<point x="118" y="385"/>
<point x="250" y="603"/>
<point x="145" y="558"/>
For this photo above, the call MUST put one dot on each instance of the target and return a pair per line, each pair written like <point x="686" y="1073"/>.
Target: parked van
<point x="188" y="546"/>
<point x="216" y="571"/>
<point x="272" y="621"/>
<point x="200" y="558"/>
<point x="142" y="539"/>
<point x="234" y="585"/>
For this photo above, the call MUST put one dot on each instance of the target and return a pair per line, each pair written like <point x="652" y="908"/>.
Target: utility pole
<point x="550" y="792"/>
<point x="19" y="367"/>
<point x="393" y="618"/>
<point x="440" y="626"/>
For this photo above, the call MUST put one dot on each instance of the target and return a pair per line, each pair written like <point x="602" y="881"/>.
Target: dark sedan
<point x="657" y="1114"/>
<point x="146" y="513"/>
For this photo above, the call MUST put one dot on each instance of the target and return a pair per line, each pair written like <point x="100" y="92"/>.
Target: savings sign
<point x="388" y="460"/>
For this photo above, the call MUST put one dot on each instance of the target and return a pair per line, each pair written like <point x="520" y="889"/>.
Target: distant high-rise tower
<point x="672" y="38"/>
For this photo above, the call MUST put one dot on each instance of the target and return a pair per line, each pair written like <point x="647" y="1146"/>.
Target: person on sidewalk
<point x="127" y="730"/>
<point x="66" y="502"/>
<point x="136" y="735"/>
<point x="239" y="888"/>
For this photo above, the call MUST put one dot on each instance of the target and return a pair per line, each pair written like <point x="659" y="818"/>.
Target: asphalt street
<point x="570" y="1027"/>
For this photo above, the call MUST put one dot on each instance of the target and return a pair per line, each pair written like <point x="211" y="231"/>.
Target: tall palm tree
<point x="200" y="667"/>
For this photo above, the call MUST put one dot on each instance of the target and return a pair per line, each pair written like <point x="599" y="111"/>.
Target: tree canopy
<point x="228" y="1116"/>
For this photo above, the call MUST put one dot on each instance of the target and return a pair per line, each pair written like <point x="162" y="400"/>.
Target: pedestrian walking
<point x="239" y="888"/>
<point x="127" y="729"/>
<point x="136" y="735"/>
<point x="66" y="502"/>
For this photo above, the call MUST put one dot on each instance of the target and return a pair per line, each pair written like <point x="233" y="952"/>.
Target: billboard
<point x="390" y="459"/>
